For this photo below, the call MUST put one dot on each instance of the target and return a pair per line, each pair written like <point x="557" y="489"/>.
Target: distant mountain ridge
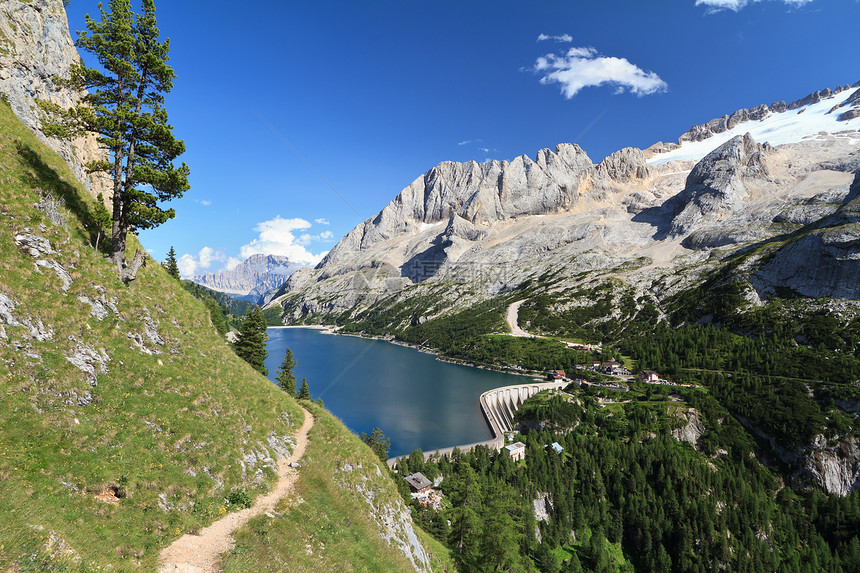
<point x="498" y="224"/>
<point x="254" y="276"/>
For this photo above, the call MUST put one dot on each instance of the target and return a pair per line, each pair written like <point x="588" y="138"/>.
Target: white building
<point x="516" y="451"/>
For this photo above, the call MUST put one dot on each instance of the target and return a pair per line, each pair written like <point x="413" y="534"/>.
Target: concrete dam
<point x="498" y="406"/>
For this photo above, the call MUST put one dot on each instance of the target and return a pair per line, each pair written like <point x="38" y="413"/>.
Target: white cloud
<point x="189" y="265"/>
<point x="322" y="221"/>
<point x="736" y="5"/>
<point x="468" y="141"/>
<point x="306" y="239"/>
<point x="579" y="68"/>
<point x="232" y="263"/>
<point x="277" y="237"/>
<point x="559" y="38"/>
<point x="203" y="202"/>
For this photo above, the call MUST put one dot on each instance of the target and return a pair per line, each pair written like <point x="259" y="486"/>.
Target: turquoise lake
<point x="418" y="401"/>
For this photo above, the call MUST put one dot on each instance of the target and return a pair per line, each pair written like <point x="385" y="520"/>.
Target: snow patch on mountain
<point x="790" y="126"/>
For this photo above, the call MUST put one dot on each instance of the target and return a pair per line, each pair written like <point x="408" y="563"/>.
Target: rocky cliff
<point x="836" y="468"/>
<point x="255" y="276"/>
<point x="719" y="184"/>
<point x="36" y="46"/>
<point x="482" y="195"/>
<point x="823" y="261"/>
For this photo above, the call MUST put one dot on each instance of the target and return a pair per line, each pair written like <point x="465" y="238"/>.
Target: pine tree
<point x="464" y="491"/>
<point x="101" y="219"/>
<point x="285" y="378"/>
<point x="170" y="264"/>
<point x="125" y="109"/>
<point x="305" y="392"/>
<point x="251" y="346"/>
<point x="378" y="442"/>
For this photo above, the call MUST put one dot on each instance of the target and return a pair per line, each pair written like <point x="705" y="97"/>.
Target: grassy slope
<point x="158" y="424"/>
<point x="325" y="524"/>
<point x="167" y="430"/>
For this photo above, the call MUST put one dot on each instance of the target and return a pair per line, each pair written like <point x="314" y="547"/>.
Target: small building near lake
<point x="648" y="376"/>
<point x="418" y="482"/>
<point x="516" y="451"/>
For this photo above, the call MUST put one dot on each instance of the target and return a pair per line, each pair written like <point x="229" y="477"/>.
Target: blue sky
<point x="301" y="119"/>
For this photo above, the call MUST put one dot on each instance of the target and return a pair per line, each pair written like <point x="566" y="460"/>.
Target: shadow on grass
<point x="46" y="178"/>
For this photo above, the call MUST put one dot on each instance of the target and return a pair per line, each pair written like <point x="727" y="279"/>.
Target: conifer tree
<point x="305" y="392"/>
<point x="285" y="378"/>
<point x="464" y="491"/>
<point x="170" y="264"/>
<point x="378" y="442"/>
<point x="101" y="219"/>
<point x="125" y="110"/>
<point x="251" y="346"/>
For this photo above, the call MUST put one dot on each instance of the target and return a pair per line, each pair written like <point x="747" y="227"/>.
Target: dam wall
<point x="498" y="407"/>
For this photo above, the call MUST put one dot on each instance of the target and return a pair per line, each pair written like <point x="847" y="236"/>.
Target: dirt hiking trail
<point x="199" y="553"/>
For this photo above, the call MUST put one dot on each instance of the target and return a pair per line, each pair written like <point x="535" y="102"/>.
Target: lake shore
<point x="441" y="357"/>
<point x="419" y="402"/>
<point x="320" y="327"/>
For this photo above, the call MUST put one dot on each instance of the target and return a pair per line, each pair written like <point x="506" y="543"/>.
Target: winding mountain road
<point x="512" y="317"/>
<point x="199" y="553"/>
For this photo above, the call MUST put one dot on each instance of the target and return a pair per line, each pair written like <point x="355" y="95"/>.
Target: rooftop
<point x="418" y="481"/>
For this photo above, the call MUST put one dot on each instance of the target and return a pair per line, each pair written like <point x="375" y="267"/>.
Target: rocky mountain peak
<point x="717" y="185"/>
<point x="758" y="113"/>
<point x="256" y="275"/>
<point x="625" y="165"/>
<point x="480" y="193"/>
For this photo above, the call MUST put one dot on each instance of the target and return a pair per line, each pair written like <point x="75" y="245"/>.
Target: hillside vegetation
<point x="126" y="419"/>
<point x="343" y="516"/>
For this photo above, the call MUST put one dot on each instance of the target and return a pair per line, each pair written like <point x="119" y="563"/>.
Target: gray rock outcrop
<point x="692" y="430"/>
<point x="812" y="98"/>
<point x="36" y="46"/>
<point x="625" y="165"/>
<point x="835" y="468"/>
<point x="727" y="122"/>
<point x="38" y="247"/>
<point x="850" y="114"/>
<point x="825" y="261"/>
<point x="88" y="360"/>
<point x="717" y="185"/>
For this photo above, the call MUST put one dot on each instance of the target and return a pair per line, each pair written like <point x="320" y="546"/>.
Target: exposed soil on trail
<point x="199" y="553"/>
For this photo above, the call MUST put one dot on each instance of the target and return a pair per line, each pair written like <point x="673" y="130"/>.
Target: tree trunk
<point x="118" y="229"/>
<point x="128" y="272"/>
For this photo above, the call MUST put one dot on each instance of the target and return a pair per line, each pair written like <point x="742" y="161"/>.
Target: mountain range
<point x="656" y="220"/>
<point x="252" y="278"/>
